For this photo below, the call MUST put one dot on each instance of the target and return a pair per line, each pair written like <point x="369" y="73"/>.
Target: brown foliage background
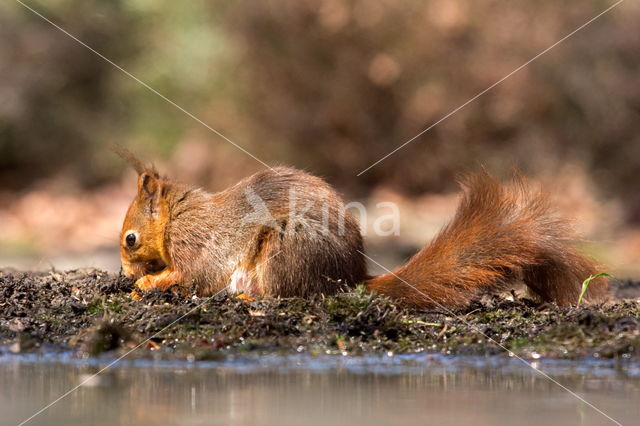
<point x="330" y="86"/>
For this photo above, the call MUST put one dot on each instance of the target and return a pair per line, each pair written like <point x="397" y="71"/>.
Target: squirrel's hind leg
<point x="249" y="275"/>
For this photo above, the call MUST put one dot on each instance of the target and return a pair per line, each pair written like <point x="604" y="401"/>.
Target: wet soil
<point x="89" y="312"/>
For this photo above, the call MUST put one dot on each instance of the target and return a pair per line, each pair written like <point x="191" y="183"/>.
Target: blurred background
<point x="329" y="86"/>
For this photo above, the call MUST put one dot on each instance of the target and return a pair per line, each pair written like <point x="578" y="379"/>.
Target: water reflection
<point x="383" y="391"/>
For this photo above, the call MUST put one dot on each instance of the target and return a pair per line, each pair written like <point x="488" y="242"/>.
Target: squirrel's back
<point x="278" y="232"/>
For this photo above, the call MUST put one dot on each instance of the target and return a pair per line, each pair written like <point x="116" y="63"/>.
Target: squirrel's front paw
<point x="146" y="283"/>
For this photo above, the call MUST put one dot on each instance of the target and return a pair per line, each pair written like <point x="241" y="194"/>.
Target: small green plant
<point x="114" y="305"/>
<point x="585" y="283"/>
<point x="96" y="306"/>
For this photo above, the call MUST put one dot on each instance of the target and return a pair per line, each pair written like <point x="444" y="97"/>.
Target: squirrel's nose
<point x="128" y="270"/>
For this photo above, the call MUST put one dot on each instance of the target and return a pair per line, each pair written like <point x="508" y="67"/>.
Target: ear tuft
<point x="128" y="156"/>
<point x="133" y="161"/>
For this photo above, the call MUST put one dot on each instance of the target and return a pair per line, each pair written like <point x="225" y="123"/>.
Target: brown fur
<point x="500" y="235"/>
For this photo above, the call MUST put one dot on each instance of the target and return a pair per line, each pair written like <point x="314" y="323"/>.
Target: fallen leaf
<point x="152" y="346"/>
<point x="244" y="297"/>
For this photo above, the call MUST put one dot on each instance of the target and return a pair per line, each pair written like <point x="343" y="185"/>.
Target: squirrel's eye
<point x="131" y="239"/>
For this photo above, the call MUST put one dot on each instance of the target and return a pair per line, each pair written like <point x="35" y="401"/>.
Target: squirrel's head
<point x="142" y="238"/>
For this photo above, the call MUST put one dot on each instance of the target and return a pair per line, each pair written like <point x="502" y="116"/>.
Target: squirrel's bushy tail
<point x="501" y="234"/>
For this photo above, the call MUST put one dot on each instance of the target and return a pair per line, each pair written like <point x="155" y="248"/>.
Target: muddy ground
<point x="90" y="313"/>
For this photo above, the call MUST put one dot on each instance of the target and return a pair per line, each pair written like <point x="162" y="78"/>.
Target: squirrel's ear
<point x="148" y="183"/>
<point x="149" y="190"/>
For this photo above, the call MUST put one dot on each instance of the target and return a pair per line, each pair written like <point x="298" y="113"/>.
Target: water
<point x="407" y="390"/>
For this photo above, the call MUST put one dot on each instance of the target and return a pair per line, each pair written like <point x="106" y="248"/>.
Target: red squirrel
<point x="245" y="239"/>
